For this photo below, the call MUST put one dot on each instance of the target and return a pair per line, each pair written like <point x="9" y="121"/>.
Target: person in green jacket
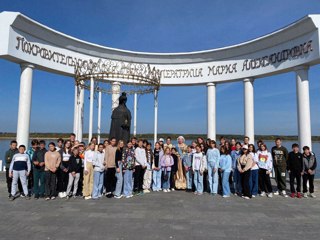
<point x="8" y="158"/>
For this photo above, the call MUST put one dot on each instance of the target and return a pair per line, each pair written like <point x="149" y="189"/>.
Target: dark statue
<point x="121" y="120"/>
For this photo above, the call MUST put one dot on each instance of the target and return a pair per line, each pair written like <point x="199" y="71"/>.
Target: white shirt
<point x="141" y="157"/>
<point x="89" y="156"/>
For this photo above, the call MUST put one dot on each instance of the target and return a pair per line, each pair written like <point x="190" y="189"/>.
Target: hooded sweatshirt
<point x="295" y="162"/>
<point x="280" y="156"/>
<point x="264" y="160"/>
<point x="309" y="162"/>
<point x="245" y="162"/>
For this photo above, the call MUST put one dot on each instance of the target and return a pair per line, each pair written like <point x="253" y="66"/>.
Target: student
<point x="98" y="173"/>
<point x="141" y="159"/>
<point x="222" y="141"/>
<point x="134" y="142"/>
<point x="213" y="156"/>
<point x="235" y="155"/>
<point x="246" y="140"/>
<point x="174" y="168"/>
<point x="225" y="163"/>
<point x="161" y="142"/>
<point x="233" y="144"/>
<point x="30" y="152"/>
<point x="106" y="143"/>
<point x="147" y="178"/>
<point x="198" y="167"/>
<point x="166" y="163"/>
<point x="81" y="148"/>
<point x="264" y="161"/>
<point x="75" y="168"/>
<point x="254" y="176"/>
<point x="168" y="143"/>
<point x="63" y="172"/>
<point x="280" y="157"/>
<point x="89" y="157"/>
<point x="295" y="170"/>
<point x="110" y="167"/>
<point x="156" y="168"/>
<point x="20" y="168"/>
<point x="38" y="170"/>
<point x="128" y="159"/>
<point x="72" y="139"/>
<point x="95" y="141"/>
<point x="194" y="144"/>
<point x="8" y="158"/>
<point x="119" y="174"/>
<point x="52" y="160"/>
<point x="244" y="165"/>
<point x="309" y="170"/>
<point x="60" y="143"/>
<point x="187" y="163"/>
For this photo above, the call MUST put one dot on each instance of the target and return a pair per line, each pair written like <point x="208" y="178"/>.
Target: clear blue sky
<point x="164" y="26"/>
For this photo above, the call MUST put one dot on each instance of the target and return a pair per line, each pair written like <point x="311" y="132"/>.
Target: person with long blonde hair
<point x="119" y="174"/>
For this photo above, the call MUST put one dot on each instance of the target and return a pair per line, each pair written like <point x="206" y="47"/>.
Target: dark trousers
<point x="51" y="184"/>
<point x="110" y="182"/>
<point x="280" y="177"/>
<point x="80" y="183"/>
<point x="245" y="178"/>
<point x="62" y="181"/>
<point x="9" y="182"/>
<point x="295" y="175"/>
<point x="38" y="183"/>
<point x="30" y="181"/>
<point x="138" y="178"/>
<point x="264" y="181"/>
<point x="172" y="181"/>
<point x="308" y="177"/>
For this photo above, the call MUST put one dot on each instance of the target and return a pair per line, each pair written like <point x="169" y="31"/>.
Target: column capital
<point x="301" y="67"/>
<point x="26" y="65"/>
<point x="248" y="79"/>
<point x="211" y="84"/>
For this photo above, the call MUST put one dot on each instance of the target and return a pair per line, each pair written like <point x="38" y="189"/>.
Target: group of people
<point x="71" y="169"/>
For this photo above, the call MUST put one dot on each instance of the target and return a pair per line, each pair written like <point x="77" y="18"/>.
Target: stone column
<point x="155" y="117"/>
<point x="25" y="98"/>
<point x="303" y="107"/>
<point x="135" y="107"/>
<point x="91" y="109"/>
<point x="211" y="114"/>
<point x="249" y="109"/>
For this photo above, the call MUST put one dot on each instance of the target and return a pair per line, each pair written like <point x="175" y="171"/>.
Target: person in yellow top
<point x="52" y="160"/>
<point x="244" y="166"/>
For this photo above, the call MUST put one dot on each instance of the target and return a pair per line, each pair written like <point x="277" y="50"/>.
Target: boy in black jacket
<point x="75" y="166"/>
<point x="295" y="170"/>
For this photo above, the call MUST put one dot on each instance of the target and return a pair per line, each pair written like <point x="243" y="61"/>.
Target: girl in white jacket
<point x="199" y="164"/>
<point x="264" y="160"/>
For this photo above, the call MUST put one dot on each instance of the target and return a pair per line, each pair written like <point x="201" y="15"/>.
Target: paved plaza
<point x="175" y="215"/>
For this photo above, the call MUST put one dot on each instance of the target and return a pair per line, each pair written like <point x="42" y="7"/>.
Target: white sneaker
<point x="87" y="198"/>
<point x="60" y="194"/>
<point x="305" y="195"/>
<point x="263" y="194"/>
<point x="165" y="190"/>
<point x="270" y="195"/>
<point x="253" y="196"/>
<point x="284" y="193"/>
<point x="130" y="196"/>
<point x="168" y="190"/>
<point x="276" y="193"/>
<point x="245" y="197"/>
<point x="313" y="195"/>
<point x="146" y="191"/>
<point x="225" y="196"/>
<point x="64" y="194"/>
<point x="172" y="189"/>
<point x="118" y="197"/>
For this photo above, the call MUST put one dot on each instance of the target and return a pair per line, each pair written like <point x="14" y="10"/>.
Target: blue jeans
<point x="225" y="183"/>
<point x="156" y="185"/>
<point x="166" y="184"/>
<point x="198" y="181"/>
<point x="212" y="178"/>
<point x="253" y="182"/>
<point x="189" y="179"/>
<point x="237" y="181"/>
<point x="127" y="183"/>
<point x="119" y="183"/>
<point x="97" y="184"/>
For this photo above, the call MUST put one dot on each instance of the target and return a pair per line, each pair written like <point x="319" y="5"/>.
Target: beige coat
<point x="52" y="160"/>
<point x="246" y="160"/>
<point x="110" y="157"/>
